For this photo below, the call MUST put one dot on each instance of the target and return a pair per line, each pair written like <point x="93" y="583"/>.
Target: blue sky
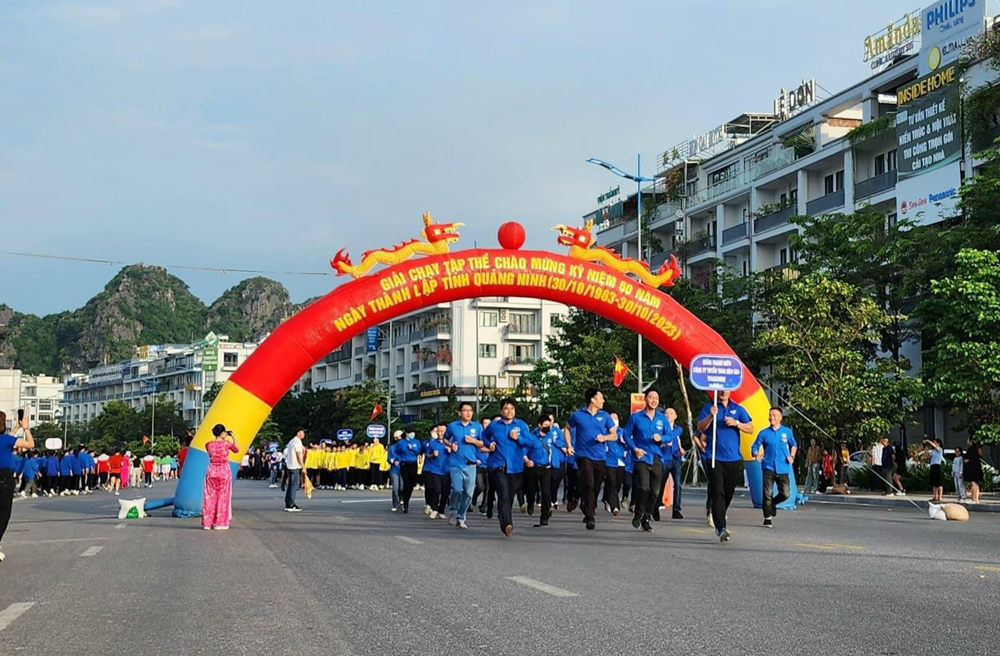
<point x="267" y="135"/>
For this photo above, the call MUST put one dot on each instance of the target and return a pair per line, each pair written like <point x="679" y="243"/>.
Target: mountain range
<point x="140" y="305"/>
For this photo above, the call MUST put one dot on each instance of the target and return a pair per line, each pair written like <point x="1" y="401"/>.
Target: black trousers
<point x="557" y="474"/>
<point x="612" y="486"/>
<point x="507" y="485"/>
<point x="770" y="478"/>
<point x="493" y="485"/>
<point x="408" y="472"/>
<point x="538" y="480"/>
<point x="723" y="485"/>
<point x="626" y="487"/>
<point x="481" y="486"/>
<point x="647" y="482"/>
<point x="590" y="473"/>
<point x="572" y="488"/>
<point x="435" y="489"/>
<point x="6" y="498"/>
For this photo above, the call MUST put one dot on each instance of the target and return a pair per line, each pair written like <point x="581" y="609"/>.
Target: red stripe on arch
<point x="322" y="327"/>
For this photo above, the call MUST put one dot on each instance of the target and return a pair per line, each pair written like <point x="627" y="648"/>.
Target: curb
<point x="893" y="502"/>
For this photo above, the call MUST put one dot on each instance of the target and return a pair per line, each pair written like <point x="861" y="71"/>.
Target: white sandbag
<point x="955" y="512"/>
<point x="936" y="512"/>
<point x="131" y="508"/>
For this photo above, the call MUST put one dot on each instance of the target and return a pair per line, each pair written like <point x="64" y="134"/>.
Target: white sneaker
<point x="207" y="528"/>
<point x="221" y="528"/>
<point x="34" y="495"/>
<point x="901" y="494"/>
<point x="433" y="514"/>
<point x="76" y="493"/>
<point x="462" y="524"/>
<point x="427" y="510"/>
<point x="2" y="556"/>
<point x="116" y="494"/>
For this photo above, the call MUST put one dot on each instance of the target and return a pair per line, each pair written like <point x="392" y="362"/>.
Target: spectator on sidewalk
<point x="888" y="465"/>
<point x="814" y="464"/>
<point x="827" y="471"/>
<point x="973" y="468"/>
<point x="900" y="455"/>
<point x="936" y="456"/>
<point x="876" y="464"/>
<point x="958" y="475"/>
<point x="843" y="463"/>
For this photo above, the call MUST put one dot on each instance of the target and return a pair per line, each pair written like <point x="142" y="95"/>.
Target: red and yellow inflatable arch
<point x="589" y="277"/>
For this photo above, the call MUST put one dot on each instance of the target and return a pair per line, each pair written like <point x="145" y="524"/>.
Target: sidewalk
<point x="987" y="502"/>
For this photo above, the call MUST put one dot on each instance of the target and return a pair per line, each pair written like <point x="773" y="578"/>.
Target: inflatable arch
<point x="588" y="277"/>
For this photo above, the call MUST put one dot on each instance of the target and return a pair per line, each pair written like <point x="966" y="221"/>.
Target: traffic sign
<point x="718" y="373"/>
<point x="345" y="434"/>
<point x="375" y="431"/>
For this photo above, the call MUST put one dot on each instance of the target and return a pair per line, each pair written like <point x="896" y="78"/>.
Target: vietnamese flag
<point x="620" y="371"/>
<point x="376" y="411"/>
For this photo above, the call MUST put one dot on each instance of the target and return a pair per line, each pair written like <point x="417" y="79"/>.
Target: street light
<point x="639" y="179"/>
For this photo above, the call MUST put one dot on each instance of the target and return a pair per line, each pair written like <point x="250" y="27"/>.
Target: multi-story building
<point x="727" y="196"/>
<point x="177" y="372"/>
<point x="38" y="395"/>
<point x="478" y="347"/>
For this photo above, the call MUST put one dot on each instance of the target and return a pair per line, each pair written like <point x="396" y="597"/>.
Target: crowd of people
<point x="72" y="472"/>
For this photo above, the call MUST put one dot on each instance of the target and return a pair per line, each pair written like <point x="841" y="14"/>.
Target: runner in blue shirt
<point x="51" y="479"/>
<point x="465" y="439"/>
<point x="775" y="448"/>
<point x="503" y="437"/>
<point x="482" y="473"/>
<point x="409" y="449"/>
<point x="392" y="456"/>
<point x="726" y="470"/>
<point x="614" y="470"/>
<point x="9" y="443"/>
<point x="586" y="433"/>
<point x="436" y="455"/>
<point x="538" y="478"/>
<point x="672" y="458"/>
<point x="644" y="435"/>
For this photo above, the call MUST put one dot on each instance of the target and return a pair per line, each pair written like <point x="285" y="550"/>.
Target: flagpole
<point x="715" y="423"/>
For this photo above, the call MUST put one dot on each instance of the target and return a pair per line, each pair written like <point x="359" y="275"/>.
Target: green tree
<point x="962" y="323"/>
<point x="208" y="398"/>
<point x="824" y="335"/>
<point x="118" y="423"/>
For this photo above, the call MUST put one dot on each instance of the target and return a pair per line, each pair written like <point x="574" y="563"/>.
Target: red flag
<point x="620" y="371"/>
<point x="376" y="411"/>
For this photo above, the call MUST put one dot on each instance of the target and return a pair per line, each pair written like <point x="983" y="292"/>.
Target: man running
<point x="725" y="473"/>
<point x="407" y="453"/>
<point x="586" y="433"/>
<point x="672" y="458"/>
<point x="436" y="453"/>
<point x="9" y="443"/>
<point x="502" y="437"/>
<point x="537" y="447"/>
<point x="464" y="438"/>
<point x="644" y="435"/>
<point x="775" y="448"/>
<point x="614" y="470"/>
<point x="295" y="458"/>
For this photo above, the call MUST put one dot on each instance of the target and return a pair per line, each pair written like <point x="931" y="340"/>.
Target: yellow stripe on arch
<point x="239" y="411"/>
<point x="758" y="406"/>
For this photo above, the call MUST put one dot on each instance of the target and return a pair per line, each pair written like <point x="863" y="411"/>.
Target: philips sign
<point x="947" y="26"/>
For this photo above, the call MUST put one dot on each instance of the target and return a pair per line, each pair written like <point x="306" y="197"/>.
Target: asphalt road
<point x="346" y="576"/>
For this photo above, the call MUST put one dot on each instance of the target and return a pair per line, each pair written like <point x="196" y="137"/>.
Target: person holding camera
<point x="8" y="443"/>
<point x="216" y="503"/>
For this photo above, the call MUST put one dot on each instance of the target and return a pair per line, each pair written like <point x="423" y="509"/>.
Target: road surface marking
<point x="17" y="544"/>
<point x="121" y="526"/>
<point x="364" y="500"/>
<point x="408" y="540"/>
<point x="542" y="587"/>
<point x="987" y="568"/>
<point x="699" y="531"/>
<point x="13" y="612"/>
<point x="830" y="546"/>
<point x="91" y="551"/>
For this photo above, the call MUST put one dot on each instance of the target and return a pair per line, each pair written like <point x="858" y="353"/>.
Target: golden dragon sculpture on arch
<point x="437" y="236"/>
<point x="581" y="247"/>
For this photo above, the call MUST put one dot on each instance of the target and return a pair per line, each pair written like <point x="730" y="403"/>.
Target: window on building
<point x="487" y="382"/>
<point x="443" y="381"/>
<point x="892" y="219"/>
<point x="45" y="404"/>
<point x="230" y="360"/>
<point x="744" y="267"/>
<point x="783" y="257"/>
<point x="514" y="381"/>
<point x="555" y="318"/>
<point x="488" y="319"/>
<point x="31" y="391"/>
<point x="487" y="350"/>
<point x="828" y="184"/>
<point x="722" y="174"/>
<point x="793" y="196"/>
<point x="890" y="160"/>
<point x="522" y="352"/>
<point x="523" y="322"/>
<point x="838" y="180"/>
<point x="880" y="164"/>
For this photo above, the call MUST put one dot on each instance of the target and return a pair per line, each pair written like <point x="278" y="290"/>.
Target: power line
<point x="187" y="267"/>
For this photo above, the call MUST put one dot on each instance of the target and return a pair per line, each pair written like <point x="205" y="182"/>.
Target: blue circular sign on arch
<point x="375" y="431"/>
<point x="345" y="434"/>
<point x="716" y="373"/>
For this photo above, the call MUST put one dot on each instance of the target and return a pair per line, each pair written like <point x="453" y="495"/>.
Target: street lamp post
<point x="639" y="179"/>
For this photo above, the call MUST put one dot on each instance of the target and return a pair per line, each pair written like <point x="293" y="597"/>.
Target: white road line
<point x="121" y="526"/>
<point x="364" y="500"/>
<point x="18" y="544"/>
<point x="13" y="612"/>
<point x="408" y="540"/>
<point x="542" y="587"/>
<point x="91" y="551"/>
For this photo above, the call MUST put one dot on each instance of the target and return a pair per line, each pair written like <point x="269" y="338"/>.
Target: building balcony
<point x="773" y="220"/>
<point x="385" y="372"/>
<point x="699" y="246"/>
<point x="732" y="183"/>
<point x="434" y="363"/>
<point x="517" y="362"/>
<point x="359" y="350"/>
<point x="522" y="332"/>
<point x="415" y="365"/>
<point x="875" y="185"/>
<point x="824" y="204"/>
<point x="416" y="336"/>
<point x="400" y="368"/>
<point x="783" y="272"/>
<point x="735" y="233"/>
<point x="657" y="259"/>
<point x="440" y="333"/>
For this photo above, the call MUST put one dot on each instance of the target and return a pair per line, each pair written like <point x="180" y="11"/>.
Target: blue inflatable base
<point x="755" y="477"/>
<point x="158" y="503"/>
